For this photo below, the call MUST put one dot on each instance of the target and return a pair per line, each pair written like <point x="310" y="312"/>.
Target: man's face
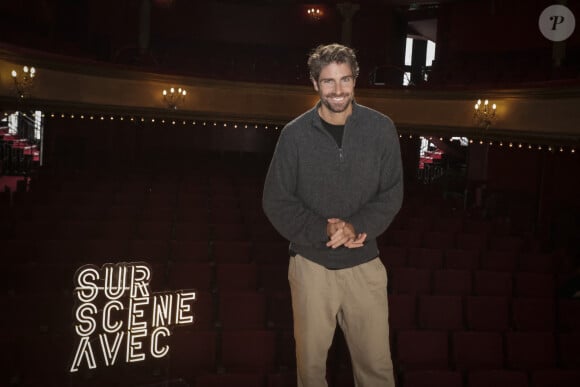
<point x="335" y="85"/>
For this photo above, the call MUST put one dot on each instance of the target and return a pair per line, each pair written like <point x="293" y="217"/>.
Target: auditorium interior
<point x="134" y="141"/>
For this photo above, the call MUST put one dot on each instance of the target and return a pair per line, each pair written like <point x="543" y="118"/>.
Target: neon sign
<point x="118" y="320"/>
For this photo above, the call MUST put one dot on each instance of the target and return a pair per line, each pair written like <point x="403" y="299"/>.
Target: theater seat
<point x="432" y="379"/>
<point x="533" y="314"/>
<point x="462" y="259"/>
<point x="555" y="378"/>
<point x="529" y="351"/>
<point x="247" y="379"/>
<point x="492" y="283"/>
<point x="242" y="310"/>
<point x="534" y="285"/>
<point x="410" y="281"/>
<point x="236" y="276"/>
<point x="477" y="350"/>
<point x="440" y="313"/>
<point x="402" y="311"/>
<point x="192" y="352"/>
<point x="422" y="350"/>
<point x="452" y="282"/>
<point x="569" y="349"/>
<point x="237" y="356"/>
<point x="487" y="313"/>
<point x="497" y="378"/>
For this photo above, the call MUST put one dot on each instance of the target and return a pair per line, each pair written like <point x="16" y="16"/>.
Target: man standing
<point x="334" y="184"/>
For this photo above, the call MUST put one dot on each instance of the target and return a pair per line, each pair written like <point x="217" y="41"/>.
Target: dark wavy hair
<point x="324" y="55"/>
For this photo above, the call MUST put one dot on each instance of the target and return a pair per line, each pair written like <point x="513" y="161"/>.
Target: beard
<point x="336" y="106"/>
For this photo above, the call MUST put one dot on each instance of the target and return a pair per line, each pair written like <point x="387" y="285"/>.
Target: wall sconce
<point x="24" y="84"/>
<point x="484" y="115"/>
<point x="173" y="98"/>
<point x="314" y="13"/>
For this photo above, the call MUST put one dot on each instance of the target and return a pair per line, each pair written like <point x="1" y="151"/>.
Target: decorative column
<point x="347" y="10"/>
<point x="144" y="26"/>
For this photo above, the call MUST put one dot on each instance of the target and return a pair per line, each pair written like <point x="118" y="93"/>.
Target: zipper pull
<point x="340" y="154"/>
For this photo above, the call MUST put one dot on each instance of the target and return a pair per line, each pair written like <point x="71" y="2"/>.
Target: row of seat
<point x="193" y="354"/>
<point x="117" y="230"/>
<point x="252" y="275"/>
<point x="229" y="309"/>
<point x="454" y="313"/>
<point x="198" y="226"/>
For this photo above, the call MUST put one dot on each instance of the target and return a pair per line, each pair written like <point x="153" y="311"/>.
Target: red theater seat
<point x="432" y="379"/>
<point x="252" y="350"/>
<point x="497" y="378"/>
<point x="425" y="258"/>
<point x="149" y="250"/>
<point x="236" y="276"/>
<point x="476" y="226"/>
<point x="393" y="256"/>
<point x="115" y="229"/>
<point x="273" y="278"/>
<point x="529" y="351"/>
<point x="238" y="379"/>
<point x="492" y="283"/>
<point x="282" y="379"/>
<point x="192" y="231"/>
<point x="568" y="345"/>
<point x="192" y="352"/>
<point x="477" y="350"/>
<point x="452" y="282"/>
<point x="410" y="280"/>
<point x="157" y="214"/>
<point x="242" y="310"/>
<point x="192" y="213"/>
<point x="188" y="251"/>
<point x="422" y="350"/>
<point x="534" y="285"/>
<point x="190" y="275"/>
<point x="402" y="311"/>
<point x="228" y="232"/>
<point x="270" y="252"/>
<point x="533" y="314"/>
<point x="280" y="310"/>
<point x="462" y="259"/>
<point x="402" y="238"/>
<point x="439" y="240"/>
<point x="555" y="378"/>
<point x="203" y="311"/>
<point x="231" y="251"/>
<point x="499" y="261"/>
<point x="465" y="241"/>
<point x="105" y="251"/>
<point x="487" y="313"/>
<point x="440" y="313"/>
<point x="538" y="262"/>
<point x="152" y="229"/>
<point x="569" y="315"/>
<point x="513" y="244"/>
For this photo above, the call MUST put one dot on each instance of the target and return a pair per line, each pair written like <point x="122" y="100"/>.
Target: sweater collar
<point x="318" y="120"/>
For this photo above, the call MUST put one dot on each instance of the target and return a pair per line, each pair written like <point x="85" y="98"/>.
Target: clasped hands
<point x="342" y="233"/>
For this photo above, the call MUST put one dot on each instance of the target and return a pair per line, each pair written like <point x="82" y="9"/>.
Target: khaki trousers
<point x="356" y="298"/>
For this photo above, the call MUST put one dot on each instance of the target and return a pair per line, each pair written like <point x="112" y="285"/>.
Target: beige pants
<point x="357" y="299"/>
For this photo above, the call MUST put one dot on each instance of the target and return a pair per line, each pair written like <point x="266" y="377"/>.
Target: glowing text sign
<point x="116" y="317"/>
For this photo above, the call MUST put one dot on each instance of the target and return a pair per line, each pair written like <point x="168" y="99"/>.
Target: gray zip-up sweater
<point x="311" y="179"/>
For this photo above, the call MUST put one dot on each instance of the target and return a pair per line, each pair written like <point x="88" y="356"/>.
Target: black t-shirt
<point x="335" y="130"/>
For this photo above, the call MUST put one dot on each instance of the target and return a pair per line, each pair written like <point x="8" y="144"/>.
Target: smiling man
<point x="334" y="184"/>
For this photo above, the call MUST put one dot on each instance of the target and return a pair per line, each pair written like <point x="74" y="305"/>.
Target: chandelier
<point x="484" y="115"/>
<point x="174" y="97"/>
<point x="23" y="84"/>
<point x="314" y="13"/>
